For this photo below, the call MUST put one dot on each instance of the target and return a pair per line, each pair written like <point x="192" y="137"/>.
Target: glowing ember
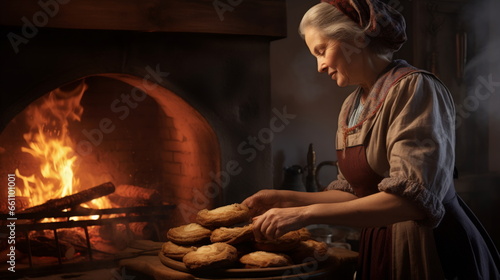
<point x="50" y="144"/>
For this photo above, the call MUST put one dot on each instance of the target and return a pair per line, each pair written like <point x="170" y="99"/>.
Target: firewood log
<point x="139" y="193"/>
<point x="120" y="201"/>
<point x="72" y="200"/>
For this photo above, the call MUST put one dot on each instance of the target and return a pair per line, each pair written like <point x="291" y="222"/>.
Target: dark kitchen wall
<point x="313" y="98"/>
<point x="473" y="77"/>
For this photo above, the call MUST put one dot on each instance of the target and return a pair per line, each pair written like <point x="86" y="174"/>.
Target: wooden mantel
<point x="245" y="17"/>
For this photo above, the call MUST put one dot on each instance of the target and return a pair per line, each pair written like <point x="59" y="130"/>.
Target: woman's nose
<point x="321" y="65"/>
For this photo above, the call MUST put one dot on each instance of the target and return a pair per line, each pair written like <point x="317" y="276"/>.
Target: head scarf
<point x="379" y="20"/>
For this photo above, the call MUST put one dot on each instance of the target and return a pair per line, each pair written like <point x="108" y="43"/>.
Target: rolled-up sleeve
<point x="340" y="184"/>
<point x="419" y="143"/>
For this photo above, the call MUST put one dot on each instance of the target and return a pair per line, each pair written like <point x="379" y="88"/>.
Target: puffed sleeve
<point x="419" y="143"/>
<point x="340" y="184"/>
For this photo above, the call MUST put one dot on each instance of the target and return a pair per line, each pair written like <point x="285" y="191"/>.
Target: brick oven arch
<point x="187" y="156"/>
<point x="192" y="150"/>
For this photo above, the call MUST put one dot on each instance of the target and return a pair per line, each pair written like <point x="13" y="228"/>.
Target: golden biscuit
<point x="174" y="251"/>
<point x="189" y="234"/>
<point x="233" y="235"/>
<point x="286" y="242"/>
<point x="224" y="216"/>
<point x="213" y="256"/>
<point x="310" y="250"/>
<point x="261" y="259"/>
<point x="305" y="234"/>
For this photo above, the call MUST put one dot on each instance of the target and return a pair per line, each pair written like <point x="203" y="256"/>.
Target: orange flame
<point x="49" y="143"/>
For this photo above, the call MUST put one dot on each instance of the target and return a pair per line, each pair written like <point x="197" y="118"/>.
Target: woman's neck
<point x="375" y="66"/>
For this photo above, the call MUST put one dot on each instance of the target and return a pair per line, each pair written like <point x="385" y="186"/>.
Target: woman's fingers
<point x="266" y="226"/>
<point x="257" y="232"/>
<point x="253" y="204"/>
<point x="278" y="221"/>
<point x="248" y="202"/>
<point x="262" y="227"/>
<point x="271" y="233"/>
<point x="261" y="201"/>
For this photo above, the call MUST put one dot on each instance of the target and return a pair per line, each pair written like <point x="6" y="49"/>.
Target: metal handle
<point x="318" y="168"/>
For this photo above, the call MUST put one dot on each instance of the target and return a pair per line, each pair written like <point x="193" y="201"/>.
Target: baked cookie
<point x="224" y="216"/>
<point x="213" y="256"/>
<point x="189" y="234"/>
<point x="310" y="250"/>
<point x="233" y="235"/>
<point x="286" y="242"/>
<point x="305" y="234"/>
<point x="261" y="259"/>
<point x="174" y="251"/>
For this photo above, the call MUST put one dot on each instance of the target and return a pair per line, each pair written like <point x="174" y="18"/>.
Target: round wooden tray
<point x="310" y="270"/>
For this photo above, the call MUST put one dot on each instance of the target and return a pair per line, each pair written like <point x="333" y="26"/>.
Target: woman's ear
<point x="361" y="41"/>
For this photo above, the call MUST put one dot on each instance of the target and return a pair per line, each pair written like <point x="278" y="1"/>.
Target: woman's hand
<point x="278" y="221"/>
<point x="263" y="201"/>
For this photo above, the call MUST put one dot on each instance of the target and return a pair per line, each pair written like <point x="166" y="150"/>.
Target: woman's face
<point x="342" y="62"/>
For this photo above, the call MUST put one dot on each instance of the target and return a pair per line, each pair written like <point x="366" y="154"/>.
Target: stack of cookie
<point x="223" y="238"/>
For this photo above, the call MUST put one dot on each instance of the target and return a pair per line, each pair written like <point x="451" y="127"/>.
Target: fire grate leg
<point x="56" y="239"/>
<point x="30" y="253"/>
<point x="87" y="239"/>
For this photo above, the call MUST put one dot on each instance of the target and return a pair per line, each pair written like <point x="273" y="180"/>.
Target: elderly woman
<point x="395" y="149"/>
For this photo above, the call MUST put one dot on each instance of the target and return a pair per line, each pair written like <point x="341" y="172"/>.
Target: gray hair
<point x="336" y="25"/>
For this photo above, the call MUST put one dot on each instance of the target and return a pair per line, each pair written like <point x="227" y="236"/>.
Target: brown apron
<point x="375" y="248"/>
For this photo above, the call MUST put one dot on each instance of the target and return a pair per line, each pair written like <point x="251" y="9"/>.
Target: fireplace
<point x="171" y="99"/>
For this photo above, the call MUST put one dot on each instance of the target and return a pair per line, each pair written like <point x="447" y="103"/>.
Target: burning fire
<point x="49" y="142"/>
